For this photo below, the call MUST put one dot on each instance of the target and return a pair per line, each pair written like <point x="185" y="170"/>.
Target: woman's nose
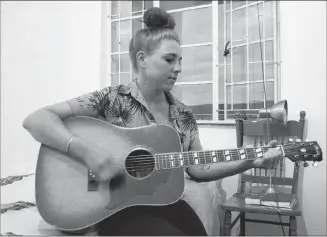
<point x="178" y="68"/>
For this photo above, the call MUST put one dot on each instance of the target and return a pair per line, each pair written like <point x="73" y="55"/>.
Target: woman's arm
<point x="47" y="127"/>
<point x="218" y="171"/>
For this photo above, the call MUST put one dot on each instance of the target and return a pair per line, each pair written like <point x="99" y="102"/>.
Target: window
<point x="214" y="86"/>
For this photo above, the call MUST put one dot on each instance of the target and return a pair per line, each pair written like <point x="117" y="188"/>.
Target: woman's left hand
<point x="270" y="158"/>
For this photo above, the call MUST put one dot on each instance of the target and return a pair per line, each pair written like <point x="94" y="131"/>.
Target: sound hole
<point x="139" y="163"/>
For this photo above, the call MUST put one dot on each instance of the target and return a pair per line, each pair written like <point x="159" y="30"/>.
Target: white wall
<point x="303" y="55"/>
<point x="51" y="50"/>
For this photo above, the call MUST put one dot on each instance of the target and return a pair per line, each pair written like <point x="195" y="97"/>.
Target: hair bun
<point x="158" y="18"/>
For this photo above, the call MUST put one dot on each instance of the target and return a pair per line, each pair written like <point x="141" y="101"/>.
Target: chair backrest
<point x="255" y="180"/>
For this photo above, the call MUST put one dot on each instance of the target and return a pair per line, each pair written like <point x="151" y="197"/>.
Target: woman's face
<point x="163" y="65"/>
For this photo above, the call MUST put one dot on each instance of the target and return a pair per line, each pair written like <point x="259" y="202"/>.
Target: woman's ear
<point x="141" y="58"/>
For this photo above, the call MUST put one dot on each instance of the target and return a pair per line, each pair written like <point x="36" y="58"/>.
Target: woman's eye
<point x="169" y="60"/>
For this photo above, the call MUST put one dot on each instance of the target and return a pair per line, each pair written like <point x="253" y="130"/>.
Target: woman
<point x="155" y="54"/>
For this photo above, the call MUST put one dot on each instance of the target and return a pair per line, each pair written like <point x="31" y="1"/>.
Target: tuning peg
<point x="298" y="140"/>
<point x="290" y="139"/>
<point x="307" y="140"/>
<point x="315" y="164"/>
<point x="305" y="164"/>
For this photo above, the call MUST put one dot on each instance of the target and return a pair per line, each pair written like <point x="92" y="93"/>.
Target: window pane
<point x="253" y="23"/>
<point x="240" y="96"/>
<point x="114" y="63"/>
<point x="124" y="78"/>
<point x="255" y="52"/>
<point x="136" y="25"/>
<point x="197" y="97"/>
<point x="125" y="8"/>
<point x="125" y="27"/>
<point x="194" y="26"/>
<point x="236" y="4"/>
<point x="114" y="79"/>
<point x="256" y="74"/>
<point x="269" y="19"/>
<point x="148" y="4"/>
<point x="114" y="7"/>
<point x="170" y="5"/>
<point x="196" y="64"/>
<point x="114" y="37"/>
<point x="270" y="70"/>
<point x="228" y="27"/>
<point x="221" y="88"/>
<point x="228" y="74"/>
<point x="239" y="64"/>
<point x="256" y="95"/>
<point x="229" y="97"/>
<point x="269" y="51"/>
<point x="124" y="42"/>
<point x="124" y="35"/>
<point x="124" y="63"/>
<point x="221" y="93"/>
<point x="221" y="29"/>
<point x="137" y="5"/>
<point x="239" y="26"/>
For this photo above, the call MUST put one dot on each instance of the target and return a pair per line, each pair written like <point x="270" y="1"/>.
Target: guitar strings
<point x="232" y="151"/>
<point x="142" y="164"/>
<point x="185" y="154"/>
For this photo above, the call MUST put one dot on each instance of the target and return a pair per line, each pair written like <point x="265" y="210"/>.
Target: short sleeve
<point x="92" y="104"/>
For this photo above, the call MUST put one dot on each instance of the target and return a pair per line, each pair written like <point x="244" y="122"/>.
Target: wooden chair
<point x="253" y="181"/>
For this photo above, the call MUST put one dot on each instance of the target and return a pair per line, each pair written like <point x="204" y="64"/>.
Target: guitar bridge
<point x="92" y="184"/>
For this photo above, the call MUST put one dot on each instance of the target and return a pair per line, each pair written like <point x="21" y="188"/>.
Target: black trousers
<point x="178" y="219"/>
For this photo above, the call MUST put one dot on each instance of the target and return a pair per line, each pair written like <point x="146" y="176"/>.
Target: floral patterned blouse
<point x="125" y="106"/>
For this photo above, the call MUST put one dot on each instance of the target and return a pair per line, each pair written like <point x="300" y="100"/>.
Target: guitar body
<point x="68" y="198"/>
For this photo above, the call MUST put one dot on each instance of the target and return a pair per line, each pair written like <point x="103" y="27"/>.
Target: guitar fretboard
<point x="195" y="158"/>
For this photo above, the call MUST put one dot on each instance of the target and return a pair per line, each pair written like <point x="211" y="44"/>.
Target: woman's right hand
<point x="102" y="163"/>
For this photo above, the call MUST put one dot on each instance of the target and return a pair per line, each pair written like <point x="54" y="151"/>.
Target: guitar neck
<point x="195" y="158"/>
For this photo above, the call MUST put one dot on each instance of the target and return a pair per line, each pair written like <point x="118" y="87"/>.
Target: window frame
<point x="215" y="54"/>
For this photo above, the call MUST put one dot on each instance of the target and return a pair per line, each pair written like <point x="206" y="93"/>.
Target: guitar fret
<point x="227" y="155"/>
<point x="157" y="159"/>
<point x="172" y="163"/>
<point x="258" y="152"/>
<point x="207" y="158"/>
<point x="195" y="158"/>
<point x="190" y="158"/>
<point x="214" y="157"/>
<point x="242" y="154"/>
<point x="186" y="160"/>
<point x="251" y="153"/>
<point x="221" y="156"/>
<point x="164" y="161"/>
<point x="176" y="159"/>
<point x="235" y="155"/>
<point x="202" y="158"/>
<point x="181" y="160"/>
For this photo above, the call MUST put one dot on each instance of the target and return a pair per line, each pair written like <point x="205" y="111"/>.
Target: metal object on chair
<point x="278" y="112"/>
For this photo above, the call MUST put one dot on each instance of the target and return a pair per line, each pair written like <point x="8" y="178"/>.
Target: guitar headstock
<point x="303" y="151"/>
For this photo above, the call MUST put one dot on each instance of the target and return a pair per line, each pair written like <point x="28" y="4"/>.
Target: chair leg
<point x="227" y="223"/>
<point x="293" y="227"/>
<point x="242" y="224"/>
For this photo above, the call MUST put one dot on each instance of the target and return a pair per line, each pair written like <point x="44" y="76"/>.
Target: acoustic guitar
<point x="69" y="198"/>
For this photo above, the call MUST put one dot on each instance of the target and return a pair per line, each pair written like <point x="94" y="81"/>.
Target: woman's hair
<point x="159" y="25"/>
